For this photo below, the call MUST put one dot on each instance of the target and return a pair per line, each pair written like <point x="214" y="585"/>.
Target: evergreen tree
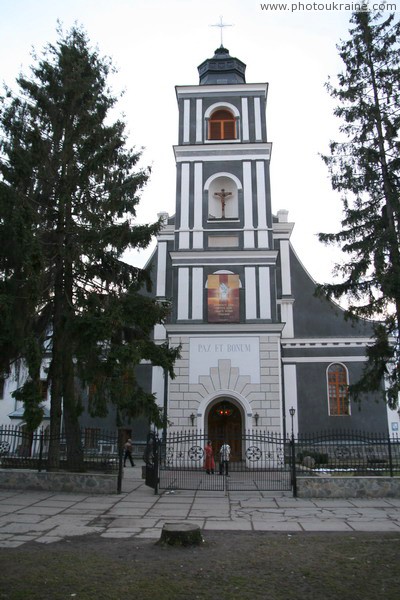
<point x="365" y="167"/>
<point x="68" y="194"/>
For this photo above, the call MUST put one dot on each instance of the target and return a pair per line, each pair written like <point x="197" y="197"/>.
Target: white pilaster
<point x="257" y="119"/>
<point x="198" y="206"/>
<point x="250" y="292"/>
<point x="186" y="121"/>
<point x="290" y="385"/>
<point x="161" y="268"/>
<point x="287" y="318"/>
<point x="285" y="267"/>
<point x="157" y="385"/>
<point x="264" y="290"/>
<point x="159" y="332"/>
<point x="199" y="120"/>
<point x="184" y="224"/>
<point x="261" y="206"/>
<point x="245" y="119"/>
<point x="183" y="293"/>
<point x="248" y="206"/>
<point x="197" y="293"/>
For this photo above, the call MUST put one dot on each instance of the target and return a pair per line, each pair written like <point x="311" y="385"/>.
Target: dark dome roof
<point x="222" y="68"/>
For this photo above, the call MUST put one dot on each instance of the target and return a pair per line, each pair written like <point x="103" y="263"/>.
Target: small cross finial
<point x="221" y="25"/>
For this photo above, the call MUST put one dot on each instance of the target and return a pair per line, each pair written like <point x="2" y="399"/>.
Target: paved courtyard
<point x="47" y="517"/>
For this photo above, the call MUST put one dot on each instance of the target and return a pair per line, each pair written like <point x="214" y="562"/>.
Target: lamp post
<point x="292" y="413"/>
<point x="192" y="418"/>
<point x="294" y="483"/>
<point x="256" y="417"/>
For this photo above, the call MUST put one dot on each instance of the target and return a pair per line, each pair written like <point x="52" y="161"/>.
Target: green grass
<point x="227" y="566"/>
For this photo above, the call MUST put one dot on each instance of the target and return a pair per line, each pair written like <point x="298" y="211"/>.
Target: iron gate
<point x="257" y="461"/>
<point x="151" y="459"/>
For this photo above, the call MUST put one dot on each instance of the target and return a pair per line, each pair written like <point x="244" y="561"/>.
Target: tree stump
<point x="180" y="534"/>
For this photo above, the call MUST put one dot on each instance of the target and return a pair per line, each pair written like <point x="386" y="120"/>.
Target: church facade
<point x="255" y="341"/>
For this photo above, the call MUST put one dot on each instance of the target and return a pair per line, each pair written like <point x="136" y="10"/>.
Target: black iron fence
<point x="264" y="461"/>
<point x="22" y="449"/>
<point x="255" y="460"/>
<point x="351" y="452"/>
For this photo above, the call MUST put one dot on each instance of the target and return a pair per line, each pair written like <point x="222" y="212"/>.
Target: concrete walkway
<point x="48" y="517"/>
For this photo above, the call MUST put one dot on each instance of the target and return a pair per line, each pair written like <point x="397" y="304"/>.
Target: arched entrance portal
<point x="225" y="425"/>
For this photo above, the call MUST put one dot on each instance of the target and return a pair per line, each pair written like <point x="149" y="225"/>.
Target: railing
<point x="348" y="452"/>
<point x="257" y="460"/>
<point x="21" y="449"/>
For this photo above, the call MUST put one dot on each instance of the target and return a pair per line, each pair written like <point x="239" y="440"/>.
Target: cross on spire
<point x="221" y="25"/>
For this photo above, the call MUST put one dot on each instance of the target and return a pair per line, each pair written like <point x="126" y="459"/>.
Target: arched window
<point x="222" y="125"/>
<point x="338" y="391"/>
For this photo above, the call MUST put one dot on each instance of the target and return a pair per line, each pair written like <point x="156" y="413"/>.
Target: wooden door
<point x="225" y="425"/>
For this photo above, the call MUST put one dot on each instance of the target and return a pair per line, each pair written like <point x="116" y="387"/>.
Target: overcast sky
<point x="157" y="44"/>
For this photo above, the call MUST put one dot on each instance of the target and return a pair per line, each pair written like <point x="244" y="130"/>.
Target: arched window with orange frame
<point x="338" y="390"/>
<point x="222" y="125"/>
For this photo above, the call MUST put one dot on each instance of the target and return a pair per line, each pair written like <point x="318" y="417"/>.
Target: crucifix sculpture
<point x="223" y="196"/>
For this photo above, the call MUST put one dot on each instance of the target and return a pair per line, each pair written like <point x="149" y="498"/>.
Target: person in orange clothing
<point x="209" y="464"/>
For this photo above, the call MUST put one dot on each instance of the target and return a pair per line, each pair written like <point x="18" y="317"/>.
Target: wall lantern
<point x="192" y="418"/>
<point x="256" y="417"/>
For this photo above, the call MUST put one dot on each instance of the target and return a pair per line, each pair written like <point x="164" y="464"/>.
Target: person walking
<point x="209" y="463"/>
<point x="128" y="447"/>
<point x="224" y="453"/>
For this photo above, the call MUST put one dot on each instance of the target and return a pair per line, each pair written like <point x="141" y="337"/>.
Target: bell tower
<point x="223" y="208"/>
<point x="216" y="260"/>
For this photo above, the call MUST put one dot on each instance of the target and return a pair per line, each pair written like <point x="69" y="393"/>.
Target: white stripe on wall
<point x="250" y="292"/>
<point x="248" y="206"/>
<point x="285" y="267"/>
<point x="198" y="206"/>
<point x="183" y="293"/>
<point x="197" y="293"/>
<point x="261" y="205"/>
<point x="287" y="318"/>
<point x="161" y="268"/>
<point x="324" y="359"/>
<point x="186" y="121"/>
<point x="264" y="288"/>
<point x="257" y="116"/>
<point x="290" y="385"/>
<point x="199" y="120"/>
<point x="245" y="119"/>
<point x="157" y="385"/>
<point x="184" y="224"/>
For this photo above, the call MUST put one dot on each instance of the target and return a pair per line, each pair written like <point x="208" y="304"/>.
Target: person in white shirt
<point x="224" y="453"/>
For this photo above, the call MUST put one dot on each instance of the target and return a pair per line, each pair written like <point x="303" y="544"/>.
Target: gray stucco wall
<point x="368" y="415"/>
<point x="316" y="317"/>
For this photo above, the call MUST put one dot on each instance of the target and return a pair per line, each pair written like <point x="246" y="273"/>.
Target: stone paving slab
<point x="121" y="533"/>
<point x="332" y="525"/>
<point x="46" y="517"/>
<point x="227" y="525"/>
<point x="12" y="543"/>
<point x="48" y="540"/>
<point x="377" y="525"/>
<point x="276" y="526"/>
